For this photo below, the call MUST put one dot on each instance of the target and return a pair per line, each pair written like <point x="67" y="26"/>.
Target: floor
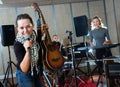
<point x="81" y="76"/>
<point x="85" y="77"/>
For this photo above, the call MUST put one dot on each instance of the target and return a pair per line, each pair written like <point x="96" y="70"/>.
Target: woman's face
<point x="24" y="27"/>
<point x="96" y="23"/>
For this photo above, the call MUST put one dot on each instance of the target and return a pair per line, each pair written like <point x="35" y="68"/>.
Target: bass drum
<point x="67" y="66"/>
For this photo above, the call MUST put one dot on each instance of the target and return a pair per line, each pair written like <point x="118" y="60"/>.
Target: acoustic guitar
<point x="52" y="57"/>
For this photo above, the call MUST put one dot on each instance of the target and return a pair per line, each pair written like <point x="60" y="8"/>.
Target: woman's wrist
<point x="27" y="51"/>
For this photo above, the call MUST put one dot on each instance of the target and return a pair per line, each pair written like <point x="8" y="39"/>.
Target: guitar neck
<point x="42" y="20"/>
<point x="48" y="36"/>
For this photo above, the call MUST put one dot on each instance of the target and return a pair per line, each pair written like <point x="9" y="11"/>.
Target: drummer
<point x="58" y="45"/>
<point x="55" y="40"/>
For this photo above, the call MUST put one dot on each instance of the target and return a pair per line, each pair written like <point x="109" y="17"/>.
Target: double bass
<point x="52" y="57"/>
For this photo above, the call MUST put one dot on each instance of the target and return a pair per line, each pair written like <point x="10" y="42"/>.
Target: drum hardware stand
<point x="9" y="68"/>
<point x="87" y="58"/>
<point x="73" y="59"/>
<point x="49" y="79"/>
<point x="88" y="73"/>
<point x="72" y="56"/>
<point x="91" y="56"/>
<point x="56" y="78"/>
<point x="100" y="73"/>
<point x="46" y="78"/>
<point x="72" y="83"/>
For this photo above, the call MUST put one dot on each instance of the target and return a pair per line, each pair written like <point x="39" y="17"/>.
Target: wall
<point x="60" y="18"/>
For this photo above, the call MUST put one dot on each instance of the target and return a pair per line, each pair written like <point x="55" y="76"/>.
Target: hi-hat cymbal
<point x="74" y="44"/>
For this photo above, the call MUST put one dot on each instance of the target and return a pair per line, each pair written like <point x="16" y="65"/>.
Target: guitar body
<point x="52" y="57"/>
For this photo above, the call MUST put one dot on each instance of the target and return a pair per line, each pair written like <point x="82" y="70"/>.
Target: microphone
<point x="27" y="37"/>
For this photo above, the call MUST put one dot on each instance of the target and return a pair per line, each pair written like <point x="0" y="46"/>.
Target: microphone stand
<point x="87" y="58"/>
<point x="72" y="55"/>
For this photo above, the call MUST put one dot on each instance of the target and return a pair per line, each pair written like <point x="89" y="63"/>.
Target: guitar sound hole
<point x="55" y="59"/>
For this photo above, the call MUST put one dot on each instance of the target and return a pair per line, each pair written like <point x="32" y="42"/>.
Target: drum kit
<point x="74" y="53"/>
<point x="78" y="56"/>
<point x="78" y="52"/>
<point x="73" y="58"/>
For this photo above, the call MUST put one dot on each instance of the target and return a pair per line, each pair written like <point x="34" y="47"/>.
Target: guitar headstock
<point x="36" y="7"/>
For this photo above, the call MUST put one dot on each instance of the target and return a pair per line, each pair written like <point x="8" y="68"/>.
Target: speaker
<point x="7" y="34"/>
<point x="81" y="25"/>
<point x="113" y="70"/>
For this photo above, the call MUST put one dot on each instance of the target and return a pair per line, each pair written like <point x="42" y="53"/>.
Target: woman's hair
<point x="101" y="23"/>
<point x="23" y="16"/>
<point x="55" y="35"/>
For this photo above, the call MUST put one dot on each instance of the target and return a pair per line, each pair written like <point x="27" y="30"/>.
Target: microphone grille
<point x="27" y="37"/>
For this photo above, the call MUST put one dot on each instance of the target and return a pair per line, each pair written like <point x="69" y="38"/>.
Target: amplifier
<point x="113" y="70"/>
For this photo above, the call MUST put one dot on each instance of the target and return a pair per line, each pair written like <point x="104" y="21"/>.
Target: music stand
<point x="9" y="68"/>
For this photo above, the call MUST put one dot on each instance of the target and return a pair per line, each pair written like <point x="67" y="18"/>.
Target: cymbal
<point x="82" y="48"/>
<point x="74" y="44"/>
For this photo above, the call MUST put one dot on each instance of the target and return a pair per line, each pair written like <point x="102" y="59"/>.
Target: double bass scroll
<point x="52" y="57"/>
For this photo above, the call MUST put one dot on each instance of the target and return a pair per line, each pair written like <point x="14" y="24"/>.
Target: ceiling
<point x="19" y="3"/>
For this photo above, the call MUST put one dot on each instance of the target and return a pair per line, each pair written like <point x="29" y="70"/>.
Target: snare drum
<point x="67" y="65"/>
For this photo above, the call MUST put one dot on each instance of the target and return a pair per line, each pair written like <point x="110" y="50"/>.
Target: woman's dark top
<point x="20" y="53"/>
